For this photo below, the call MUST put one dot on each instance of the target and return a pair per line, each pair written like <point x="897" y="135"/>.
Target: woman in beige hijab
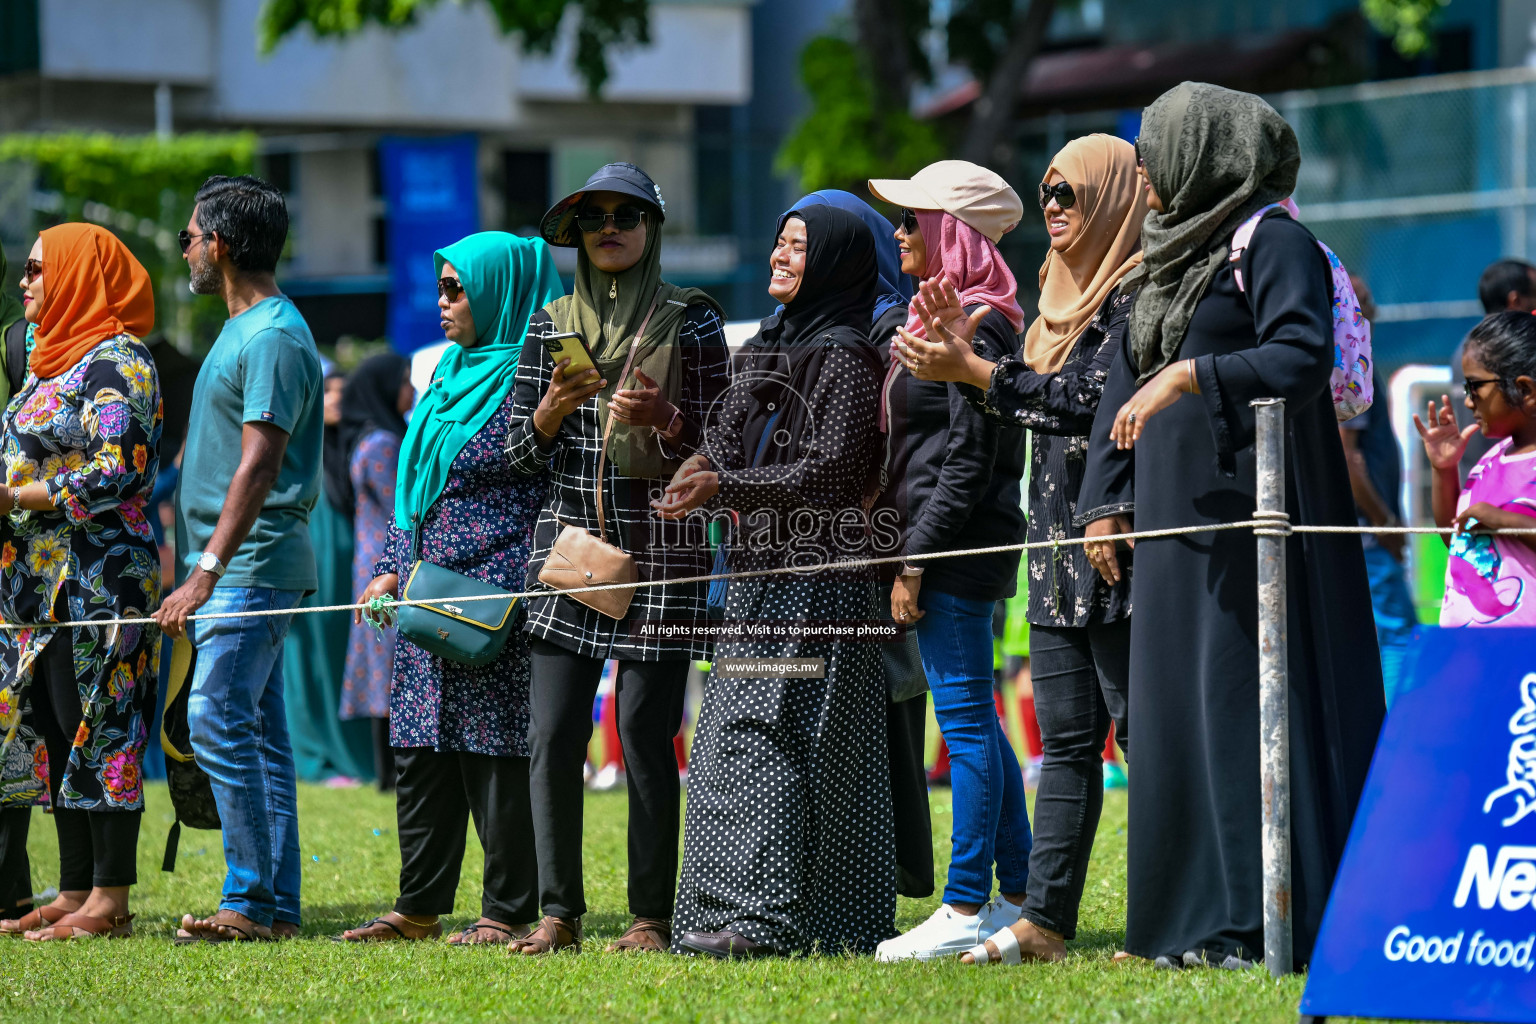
<point x="1079" y="624"/>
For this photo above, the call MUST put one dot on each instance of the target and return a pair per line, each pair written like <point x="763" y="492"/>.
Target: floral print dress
<point x="92" y="435"/>
<point x="481" y="526"/>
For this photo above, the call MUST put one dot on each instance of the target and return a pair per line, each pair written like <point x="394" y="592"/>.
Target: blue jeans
<point x="240" y="736"/>
<point x="1396" y="617"/>
<point x="991" y="821"/>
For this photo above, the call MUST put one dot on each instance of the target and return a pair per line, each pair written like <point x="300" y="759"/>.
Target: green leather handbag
<point x="471" y="632"/>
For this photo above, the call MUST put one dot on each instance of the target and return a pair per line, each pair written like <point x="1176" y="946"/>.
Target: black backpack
<point x="191" y="793"/>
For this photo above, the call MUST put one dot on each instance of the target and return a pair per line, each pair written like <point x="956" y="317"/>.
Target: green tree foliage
<point x="1410" y="23"/>
<point x="845" y="139"/>
<point x="601" y="24"/>
<point x="141" y="188"/>
<point x="129" y="173"/>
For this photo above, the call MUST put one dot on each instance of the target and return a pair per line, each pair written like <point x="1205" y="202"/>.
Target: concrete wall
<point x="128" y="40"/>
<point x="698" y="54"/>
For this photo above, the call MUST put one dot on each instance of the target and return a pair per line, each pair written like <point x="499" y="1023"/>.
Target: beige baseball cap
<point x="967" y="191"/>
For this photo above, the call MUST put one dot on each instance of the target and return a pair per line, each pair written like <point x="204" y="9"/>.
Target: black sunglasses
<point x="909" y="222"/>
<point x="31" y="270"/>
<point x="625" y="218"/>
<point x="1472" y="386"/>
<point x="185" y="238"/>
<point x="1061" y="192"/>
<point x="1141" y="161"/>
<point x="449" y="288"/>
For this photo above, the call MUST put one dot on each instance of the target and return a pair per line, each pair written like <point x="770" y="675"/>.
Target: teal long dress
<point x="314" y="663"/>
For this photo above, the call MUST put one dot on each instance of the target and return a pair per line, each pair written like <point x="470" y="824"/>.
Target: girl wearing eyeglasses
<point x="1093" y="207"/>
<point x="1489" y="579"/>
<point x="638" y="427"/>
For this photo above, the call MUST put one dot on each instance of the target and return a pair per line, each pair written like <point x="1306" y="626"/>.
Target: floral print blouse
<point x="481" y="526"/>
<point x="92" y="435"/>
<point x="1058" y="408"/>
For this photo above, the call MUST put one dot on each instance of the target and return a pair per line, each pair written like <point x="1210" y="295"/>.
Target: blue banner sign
<point x="432" y="195"/>
<point x="1433" y="913"/>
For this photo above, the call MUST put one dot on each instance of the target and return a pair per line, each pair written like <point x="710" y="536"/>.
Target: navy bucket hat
<point x="559" y="224"/>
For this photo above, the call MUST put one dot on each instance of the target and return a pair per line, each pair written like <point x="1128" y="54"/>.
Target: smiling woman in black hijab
<point x="788" y="844"/>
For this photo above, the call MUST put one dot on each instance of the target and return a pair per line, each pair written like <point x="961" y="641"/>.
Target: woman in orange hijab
<point x="80" y="448"/>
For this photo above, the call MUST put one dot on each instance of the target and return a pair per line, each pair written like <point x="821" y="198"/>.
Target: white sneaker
<point x="948" y="933"/>
<point x="608" y="777"/>
<point x="998" y="914"/>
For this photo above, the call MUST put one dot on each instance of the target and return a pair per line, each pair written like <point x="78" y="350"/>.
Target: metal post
<point x="1274" y="713"/>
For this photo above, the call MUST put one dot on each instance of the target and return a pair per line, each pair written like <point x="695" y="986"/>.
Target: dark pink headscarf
<point x="973" y="265"/>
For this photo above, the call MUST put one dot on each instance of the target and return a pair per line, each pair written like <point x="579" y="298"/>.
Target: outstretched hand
<point x="1444" y="441"/>
<point x="692" y="485"/>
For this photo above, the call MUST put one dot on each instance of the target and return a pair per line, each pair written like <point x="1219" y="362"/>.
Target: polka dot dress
<point x="789" y="837"/>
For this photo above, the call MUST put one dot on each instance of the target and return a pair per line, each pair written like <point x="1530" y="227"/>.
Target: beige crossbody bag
<point x="579" y="559"/>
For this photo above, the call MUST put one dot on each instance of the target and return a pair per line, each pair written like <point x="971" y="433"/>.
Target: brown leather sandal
<point x="83" y="926"/>
<point x="552" y="935"/>
<point x="39" y="918"/>
<point x="488" y="933"/>
<point x="645" y="935"/>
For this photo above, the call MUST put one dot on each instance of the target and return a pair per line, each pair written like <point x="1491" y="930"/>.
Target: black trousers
<point x="1080" y="676"/>
<point x="96" y="848"/>
<point x="15" y="868"/>
<point x="436" y="793"/>
<point x="649" y="707"/>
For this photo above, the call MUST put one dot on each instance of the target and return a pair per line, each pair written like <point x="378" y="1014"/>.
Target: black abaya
<point x="1195" y="869"/>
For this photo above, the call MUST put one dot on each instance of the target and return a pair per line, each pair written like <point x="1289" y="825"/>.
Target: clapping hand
<point x="1444" y="441"/>
<point x="947" y="353"/>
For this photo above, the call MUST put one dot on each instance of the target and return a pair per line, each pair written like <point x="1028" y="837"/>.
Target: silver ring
<point x="1131" y="418"/>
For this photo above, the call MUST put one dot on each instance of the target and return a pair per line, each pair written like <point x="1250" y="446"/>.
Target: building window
<point x="18" y="36"/>
<point x="712" y="169"/>
<point x="525" y="189"/>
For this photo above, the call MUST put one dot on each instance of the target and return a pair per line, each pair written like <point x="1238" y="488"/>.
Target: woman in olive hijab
<point x="1179" y="451"/>
<point x="652" y="419"/>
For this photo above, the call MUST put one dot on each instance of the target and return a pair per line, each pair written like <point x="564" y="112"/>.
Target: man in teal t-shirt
<point x="250" y="476"/>
<point x="263" y="369"/>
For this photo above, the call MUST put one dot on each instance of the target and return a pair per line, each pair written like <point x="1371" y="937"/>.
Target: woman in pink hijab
<point x="952" y="478"/>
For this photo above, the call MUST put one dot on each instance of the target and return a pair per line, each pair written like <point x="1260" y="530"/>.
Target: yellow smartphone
<point x="570" y="346"/>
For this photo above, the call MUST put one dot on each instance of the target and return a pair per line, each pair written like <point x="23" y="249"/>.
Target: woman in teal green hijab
<point x="459" y="733"/>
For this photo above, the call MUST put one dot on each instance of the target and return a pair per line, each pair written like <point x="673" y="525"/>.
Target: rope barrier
<point x="1264" y="524"/>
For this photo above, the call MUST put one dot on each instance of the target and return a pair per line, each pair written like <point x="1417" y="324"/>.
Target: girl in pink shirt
<point x="1489" y="579"/>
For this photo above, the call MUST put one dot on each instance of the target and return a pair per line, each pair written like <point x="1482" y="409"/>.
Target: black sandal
<point x="466" y="936"/>
<point x="434" y="932"/>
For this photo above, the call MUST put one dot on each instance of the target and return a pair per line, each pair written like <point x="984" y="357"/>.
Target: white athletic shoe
<point x="948" y="933"/>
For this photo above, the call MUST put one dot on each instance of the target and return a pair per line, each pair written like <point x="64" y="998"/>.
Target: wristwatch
<point x="209" y="562"/>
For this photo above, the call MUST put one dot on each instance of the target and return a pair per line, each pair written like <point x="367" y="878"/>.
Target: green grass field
<point x="351" y="864"/>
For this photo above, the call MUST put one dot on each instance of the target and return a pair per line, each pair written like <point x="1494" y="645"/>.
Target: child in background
<point x="1489" y="579"/>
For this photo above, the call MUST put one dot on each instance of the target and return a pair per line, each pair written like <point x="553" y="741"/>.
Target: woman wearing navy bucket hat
<point x="612" y="394"/>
